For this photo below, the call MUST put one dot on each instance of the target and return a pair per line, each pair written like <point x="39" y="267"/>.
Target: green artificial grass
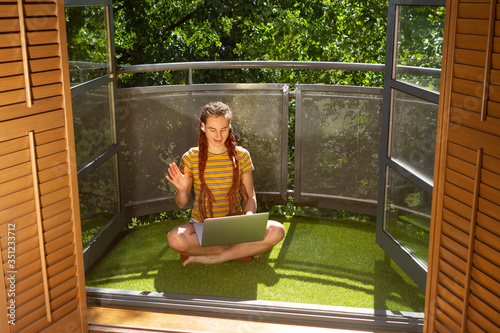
<point x="319" y="261"/>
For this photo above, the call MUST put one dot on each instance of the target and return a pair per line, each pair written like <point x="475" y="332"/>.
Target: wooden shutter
<point x="463" y="284"/>
<point x="40" y="236"/>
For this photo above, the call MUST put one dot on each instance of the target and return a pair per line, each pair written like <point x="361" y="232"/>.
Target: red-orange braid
<point x="232" y="196"/>
<point x="204" y="190"/>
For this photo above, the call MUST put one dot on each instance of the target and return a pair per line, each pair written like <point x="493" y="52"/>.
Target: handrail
<point x="318" y="65"/>
<point x="351" y="66"/>
<point x="250" y="64"/>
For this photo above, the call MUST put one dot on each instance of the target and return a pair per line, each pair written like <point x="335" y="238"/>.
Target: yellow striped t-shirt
<point x="218" y="177"/>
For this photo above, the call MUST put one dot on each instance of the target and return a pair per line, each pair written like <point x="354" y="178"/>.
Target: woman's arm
<point x="251" y="205"/>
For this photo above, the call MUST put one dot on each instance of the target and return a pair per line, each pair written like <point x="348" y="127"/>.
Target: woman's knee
<point x="176" y="240"/>
<point x="276" y="231"/>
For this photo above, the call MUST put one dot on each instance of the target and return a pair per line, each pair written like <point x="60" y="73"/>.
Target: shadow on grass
<point x="342" y="260"/>
<point x="319" y="262"/>
<point x="391" y="287"/>
<point x="233" y="280"/>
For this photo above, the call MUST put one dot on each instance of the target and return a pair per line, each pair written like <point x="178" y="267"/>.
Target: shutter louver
<point x="13" y="74"/>
<point x="464" y="270"/>
<point x="38" y="195"/>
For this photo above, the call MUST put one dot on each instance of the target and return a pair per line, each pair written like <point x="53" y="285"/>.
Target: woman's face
<point x="217" y="131"/>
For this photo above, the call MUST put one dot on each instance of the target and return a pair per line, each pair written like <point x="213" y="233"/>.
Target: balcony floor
<point x="105" y="319"/>
<point x="320" y="262"/>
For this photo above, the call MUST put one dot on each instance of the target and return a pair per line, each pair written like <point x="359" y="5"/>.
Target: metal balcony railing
<point x="322" y="148"/>
<point x="336" y="143"/>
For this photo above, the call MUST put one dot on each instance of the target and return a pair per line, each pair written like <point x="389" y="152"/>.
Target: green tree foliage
<point x="420" y="43"/>
<point x="149" y="31"/>
<point x="87" y="43"/>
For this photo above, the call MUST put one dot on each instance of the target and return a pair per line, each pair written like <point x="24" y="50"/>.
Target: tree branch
<point x="185" y="18"/>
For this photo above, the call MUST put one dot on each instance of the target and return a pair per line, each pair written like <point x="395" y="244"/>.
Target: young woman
<point x="221" y="174"/>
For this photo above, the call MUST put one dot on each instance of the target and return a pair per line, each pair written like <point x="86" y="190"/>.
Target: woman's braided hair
<point x="205" y="199"/>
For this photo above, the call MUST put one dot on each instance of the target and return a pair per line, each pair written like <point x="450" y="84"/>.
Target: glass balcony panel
<point x="92" y="117"/>
<point x="340" y="143"/>
<point x="419" y="49"/>
<point x="98" y="199"/>
<point x="414" y="125"/>
<point x="156" y="129"/>
<point x="159" y="124"/>
<point x="88" y="47"/>
<point x="407" y="216"/>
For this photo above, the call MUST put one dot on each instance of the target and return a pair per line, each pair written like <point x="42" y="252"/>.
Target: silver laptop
<point x="231" y="229"/>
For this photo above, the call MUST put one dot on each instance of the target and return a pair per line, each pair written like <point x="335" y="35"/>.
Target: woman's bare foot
<point x="210" y="259"/>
